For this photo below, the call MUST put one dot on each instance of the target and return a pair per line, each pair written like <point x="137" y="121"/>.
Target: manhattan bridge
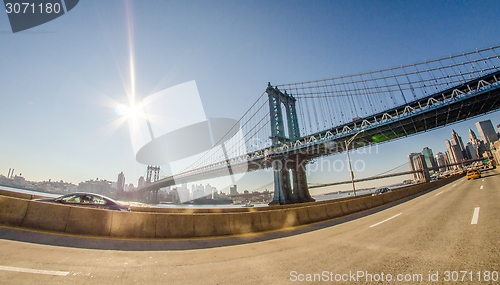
<point x="290" y="125"/>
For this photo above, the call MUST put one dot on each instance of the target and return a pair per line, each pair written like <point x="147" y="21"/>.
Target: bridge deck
<point x="473" y="98"/>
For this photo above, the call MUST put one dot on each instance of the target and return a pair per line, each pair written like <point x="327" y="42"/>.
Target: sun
<point x="121" y="110"/>
<point x="129" y="111"/>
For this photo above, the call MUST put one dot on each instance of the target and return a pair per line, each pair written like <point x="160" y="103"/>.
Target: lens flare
<point x="121" y="110"/>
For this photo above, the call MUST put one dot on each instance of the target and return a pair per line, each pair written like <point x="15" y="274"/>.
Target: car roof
<point x="93" y="194"/>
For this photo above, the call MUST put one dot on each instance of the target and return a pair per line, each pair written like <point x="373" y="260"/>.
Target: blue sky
<point x="62" y="80"/>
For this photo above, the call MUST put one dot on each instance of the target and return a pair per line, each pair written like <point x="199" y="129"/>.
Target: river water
<point x="321" y="197"/>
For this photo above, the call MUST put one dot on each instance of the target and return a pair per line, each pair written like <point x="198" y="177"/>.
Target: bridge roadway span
<point x="428" y="234"/>
<point x="476" y="97"/>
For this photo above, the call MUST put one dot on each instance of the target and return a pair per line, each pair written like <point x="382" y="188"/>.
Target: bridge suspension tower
<point x="286" y="190"/>
<point x="152" y="175"/>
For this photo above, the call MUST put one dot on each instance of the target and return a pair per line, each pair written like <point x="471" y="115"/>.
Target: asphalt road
<point x="450" y="235"/>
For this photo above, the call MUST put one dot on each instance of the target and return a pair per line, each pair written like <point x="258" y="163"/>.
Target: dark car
<point x="88" y="200"/>
<point x="381" y="191"/>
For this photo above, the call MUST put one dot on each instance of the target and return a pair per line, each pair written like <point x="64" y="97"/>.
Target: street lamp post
<point x="347" y="143"/>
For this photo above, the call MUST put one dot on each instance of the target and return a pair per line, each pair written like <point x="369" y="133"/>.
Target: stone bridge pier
<point x="290" y="181"/>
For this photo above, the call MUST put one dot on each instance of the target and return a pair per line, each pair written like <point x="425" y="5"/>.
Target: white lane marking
<point x="374" y="225"/>
<point x="439" y="193"/>
<point x="475" y="216"/>
<point x="482" y="180"/>
<point x="35" y="271"/>
<point x="481" y="187"/>
<point x="454" y="185"/>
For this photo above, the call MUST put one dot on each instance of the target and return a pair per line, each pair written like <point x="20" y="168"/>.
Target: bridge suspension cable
<point x="329" y="103"/>
<point x="254" y="135"/>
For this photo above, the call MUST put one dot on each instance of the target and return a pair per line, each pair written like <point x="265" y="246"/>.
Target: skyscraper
<point x="447" y="159"/>
<point x="233" y="190"/>
<point x="430" y="162"/>
<point x="472" y="150"/>
<point x="141" y="182"/>
<point x="120" y="183"/>
<point x="472" y="136"/>
<point x="457" y="140"/>
<point x="486" y="131"/>
<point x="454" y="151"/>
<point x="441" y="160"/>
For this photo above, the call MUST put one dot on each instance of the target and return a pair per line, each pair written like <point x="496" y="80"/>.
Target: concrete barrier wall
<point x="317" y="213"/>
<point x="46" y="216"/>
<point x="138" y="225"/>
<point x="87" y="221"/>
<point x="174" y="225"/>
<point x="244" y="223"/>
<point x="12" y="210"/>
<point x="356" y="205"/>
<point x="20" y="195"/>
<point x="334" y="210"/>
<point x="15" y="194"/>
<point x="178" y="223"/>
<point x="206" y="225"/>
<point x="274" y="219"/>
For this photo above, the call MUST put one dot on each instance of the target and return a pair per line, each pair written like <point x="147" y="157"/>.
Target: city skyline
<point x="456" y="150"/>
<point x="455" y="137"/>
<point x="60" y="123"/>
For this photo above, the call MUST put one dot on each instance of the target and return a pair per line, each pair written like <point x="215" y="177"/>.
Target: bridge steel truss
<point x="474" y="98"/>
<point x="291" y="152"/>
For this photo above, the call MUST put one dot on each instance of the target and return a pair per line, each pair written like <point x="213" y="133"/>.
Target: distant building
<point x="141" y="182"/>
<point x="430" y="162"/>
<point x="472" y="136"/>
<point x="447" y="159"/>
<point x="129" y="187"/>
<point x="233" y="190"/>
<point x="198" y="191"/>
<point x="455" y="154"/>
<point x="478" y="148"/>
<point x="486" y="131"/>
<point x="472" y="150"/>
<point x="183" y="193"/>
<point x="102" y="187"/>
<point x="496" y="145"/>
<point x="496" y="154"/>
<point x="20" y="180"/>
<point x="120" y="183"/>
<point x="441" y="160"/>
<point x="456" y="150"/>
<point x="417" y="162"/>
<point x="457" y="140"/>
<point x="209" y="191"/>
